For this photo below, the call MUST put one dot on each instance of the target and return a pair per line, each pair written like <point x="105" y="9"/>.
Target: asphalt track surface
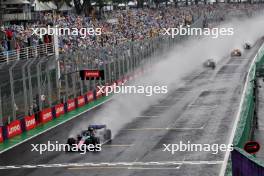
<point x="202" y="111"/>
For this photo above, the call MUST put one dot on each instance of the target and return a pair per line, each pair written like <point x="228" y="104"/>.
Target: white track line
<point x="231" y="138"/>
<point x="54" y="126"/>
<point x="148" y="129"/>
<point x="115" y="164"/>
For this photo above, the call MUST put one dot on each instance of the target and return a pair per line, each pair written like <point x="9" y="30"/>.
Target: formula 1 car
<point x="95" y="134"/>
<point x="209" y="63"/>
<point x="236" y="52"/>
<point x="247" y="46"/>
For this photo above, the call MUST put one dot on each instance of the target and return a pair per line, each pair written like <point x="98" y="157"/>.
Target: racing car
<point x="209" y="63"/>
<point x="236" y="52"/>
<point x="95" y="134"/>
<point x="247" y="46"/>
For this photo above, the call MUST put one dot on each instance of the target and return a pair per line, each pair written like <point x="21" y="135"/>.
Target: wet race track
<point x="202" y="111"/>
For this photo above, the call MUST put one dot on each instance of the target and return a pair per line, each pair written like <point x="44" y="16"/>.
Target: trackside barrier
<point x="13" y="129"/>
<point x="59" y="110"/>
<point x="244" y="164"/>
<point x="71" y="105"/>
<point x="80" y="101"/>
<point x="30" y="122"/>
<point x="89" y="96"/>
<point x="1" y="135"/>
<point x="45" y="115"/>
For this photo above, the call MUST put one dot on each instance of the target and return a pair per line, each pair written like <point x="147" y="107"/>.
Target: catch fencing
<point x="30" y="85"/>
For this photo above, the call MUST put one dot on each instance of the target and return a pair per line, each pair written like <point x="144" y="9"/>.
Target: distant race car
<point x="247" y="46"/>
<point x="236" y="52"/>
<point x="95" y="134"/>
<point x="209" y="63"/>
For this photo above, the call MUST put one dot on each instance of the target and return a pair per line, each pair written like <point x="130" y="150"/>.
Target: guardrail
<point x="27" y="53"/>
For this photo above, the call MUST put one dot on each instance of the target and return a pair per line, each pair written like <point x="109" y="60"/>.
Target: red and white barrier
<point x="80" y="101"/>
<point x="30" y="122"/>
<point x="14" y="128"/>
<point x="45" y="115"/>
<point x="119" y="82"/>
<point x="90" y="96"/>
<point x="71" y="105"/>
<point x="59" y="110"/>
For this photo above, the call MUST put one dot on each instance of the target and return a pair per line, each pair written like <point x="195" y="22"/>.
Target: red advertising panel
<point x="98" y="93"/>
<point x="70" y="105"/>
<point x="80" y="101"/>
<point x="30" y="122"/>
<point x="119" y="82"/>
<point x="90" y="96"/>
<point x="59" y="110"/>
<point x="14" y="128"/>
<point x="1" y="135"/>
<point x="45" y="115"/>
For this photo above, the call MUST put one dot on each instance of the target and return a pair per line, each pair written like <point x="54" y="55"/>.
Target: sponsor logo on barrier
<point x="81" y="101"/>
<point x="59" y="109"/>
<point x="1" y="135"/>
<point x="30" y="122"/>
<point x="70" y="105"/>
<point x="90" y="96"/>
<point x="252" y="147"/>
<point x="46" y="115"/>
<point x="14" y="128"/>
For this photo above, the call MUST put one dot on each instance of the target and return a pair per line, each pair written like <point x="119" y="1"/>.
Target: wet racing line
<point x="202" y="111"/>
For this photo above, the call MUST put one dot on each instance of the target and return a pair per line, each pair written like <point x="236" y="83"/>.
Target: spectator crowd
<point x="118" y="27"/>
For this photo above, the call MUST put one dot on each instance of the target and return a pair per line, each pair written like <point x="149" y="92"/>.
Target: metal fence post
<point x="49" y="84"/>
<point x="30" y="95"/>
<point x="39" y="86"/>
<point x="13" y="104"/>
<point x="25" y="88"/>
<point x="58" y="79"/>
